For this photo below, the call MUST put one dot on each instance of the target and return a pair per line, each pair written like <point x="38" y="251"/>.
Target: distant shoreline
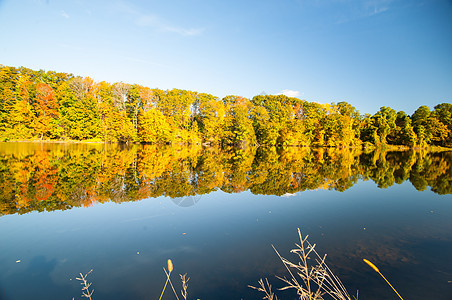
<point x="381" y="147"/>
<point x="55" y="141"/>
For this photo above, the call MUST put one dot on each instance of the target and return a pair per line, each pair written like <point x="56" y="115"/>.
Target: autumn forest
<point x="40" y="105"/>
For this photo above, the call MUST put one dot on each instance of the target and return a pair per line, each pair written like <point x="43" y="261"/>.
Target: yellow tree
<point x="21" y="115"/>
<point x="8" y="79"/>
<point x="239" y="129"/>
<point x="153" y="127"/>
<point x="123" y="124"/>
<point x="21" y="118"/>
<point x="211" y="118"/>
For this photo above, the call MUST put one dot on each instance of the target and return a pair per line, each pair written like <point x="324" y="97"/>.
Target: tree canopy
<point x="59" y="106"/>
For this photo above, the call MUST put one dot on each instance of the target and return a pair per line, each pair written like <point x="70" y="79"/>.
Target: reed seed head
<point x="170" y="265"/>
<point x="371" y="265"/>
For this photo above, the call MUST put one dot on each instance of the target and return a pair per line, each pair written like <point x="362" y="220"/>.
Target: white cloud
<point x="358" y="9"/>
<point x="146" y="20"/>
<point x="151" y="20"/>
<point x="160" y="25"/>
<point x="71" y="47"/>
<point x="373" y="7"/>
<point x="290" y="93"/>
<point x="378" y="10"/>
<point x="143" y="61"/>
<point x="183" y="31"/>
<point x="64" y="14"/>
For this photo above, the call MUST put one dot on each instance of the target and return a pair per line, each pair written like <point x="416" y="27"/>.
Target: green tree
<point x="443" y="112"/>
<point x="266" y="131"/>
<point x="277" y="124"/>
<point x="428" y="126"/>
<point x="403" y="134"/>
<point x="420" y="124"/>
<point x="384" y="121"/>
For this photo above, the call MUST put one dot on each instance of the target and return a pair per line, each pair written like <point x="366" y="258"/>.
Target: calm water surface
<point x="67" y="209"/>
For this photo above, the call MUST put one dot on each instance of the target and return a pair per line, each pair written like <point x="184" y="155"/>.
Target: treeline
<point x="40" y="177"/>
<point x="59" y="106"/>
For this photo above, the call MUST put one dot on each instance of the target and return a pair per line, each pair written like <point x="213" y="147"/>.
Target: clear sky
<point x="370" y="53"/>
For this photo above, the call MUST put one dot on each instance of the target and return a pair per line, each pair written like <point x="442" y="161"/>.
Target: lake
<point x="123" y="211"/>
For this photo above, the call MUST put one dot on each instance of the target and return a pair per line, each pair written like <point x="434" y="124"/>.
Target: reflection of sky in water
<point x="224" y="243"/>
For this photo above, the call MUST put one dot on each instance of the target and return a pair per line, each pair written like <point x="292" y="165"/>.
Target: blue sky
<point x="370" y="53"/>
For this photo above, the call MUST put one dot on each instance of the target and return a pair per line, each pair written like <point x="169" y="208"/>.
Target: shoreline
<point x="382" y="147"/>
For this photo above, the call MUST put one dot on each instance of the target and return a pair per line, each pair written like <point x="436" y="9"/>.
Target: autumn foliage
<point x="39" y="105"/>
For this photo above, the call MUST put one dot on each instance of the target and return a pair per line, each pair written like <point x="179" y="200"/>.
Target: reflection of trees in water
<point x="79" y="197"/>
<point x="49" y="179"/>
<point x="433" y="170"/>
<point x="118" y="190"/>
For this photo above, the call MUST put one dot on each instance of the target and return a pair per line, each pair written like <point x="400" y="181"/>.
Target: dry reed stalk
<point x="265" y="288"/>
<point x="378" y="271"/>
<point x="312" y="279"/>
<point x="184" y="280"/>
<point x="171" y="284"/>
<point x="85" y="289"/>
<point x="170" y="269"/>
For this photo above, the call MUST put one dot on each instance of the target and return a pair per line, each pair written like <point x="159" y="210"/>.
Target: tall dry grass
<point x="309" y="276"/>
